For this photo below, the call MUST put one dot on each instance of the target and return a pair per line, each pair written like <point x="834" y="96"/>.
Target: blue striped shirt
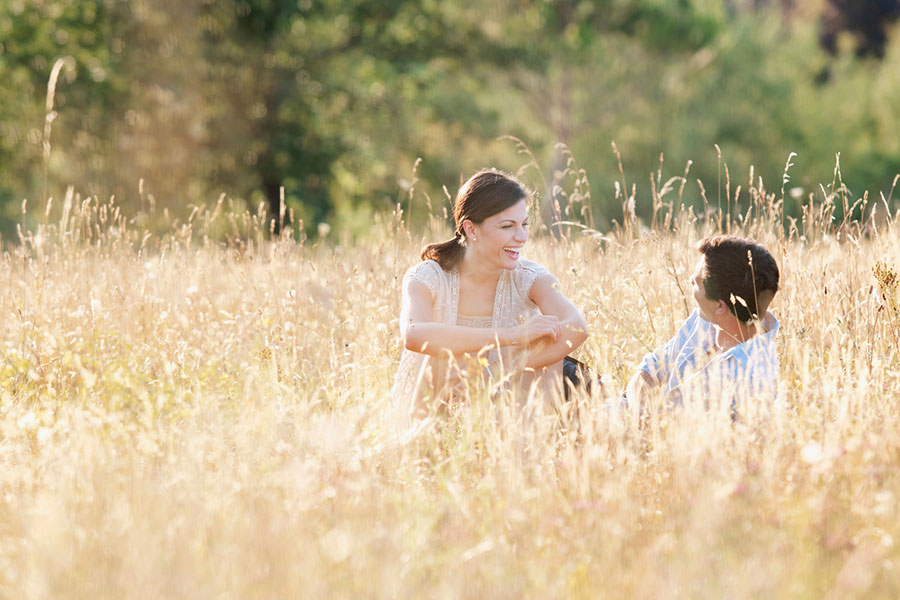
<point x="690" y="368"/>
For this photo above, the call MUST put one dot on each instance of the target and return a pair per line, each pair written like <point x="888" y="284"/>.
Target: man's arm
<point x="656" y="367"/>
<point x="640" y="383"/>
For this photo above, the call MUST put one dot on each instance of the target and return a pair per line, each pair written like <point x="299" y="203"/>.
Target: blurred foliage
<point x="334" y="100"/>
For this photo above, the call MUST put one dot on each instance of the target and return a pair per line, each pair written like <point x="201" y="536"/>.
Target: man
<point x="725" y="350"/>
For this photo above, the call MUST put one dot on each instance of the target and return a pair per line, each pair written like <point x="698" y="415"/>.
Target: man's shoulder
<point x="693" y="333"/>
<point x="771" y="324"/>
<point x="695" y="325"/>
<point x="759" y="352"/>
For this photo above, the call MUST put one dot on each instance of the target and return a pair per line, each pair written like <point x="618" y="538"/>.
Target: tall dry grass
<point x="189" y="418"/>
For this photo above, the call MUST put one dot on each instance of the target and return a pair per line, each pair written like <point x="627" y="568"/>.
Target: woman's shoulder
<point x="428" y="272"/>
<point x="529" y="266"/>
<point x="527" y="272"/>
<point x="530" y="270"/>
<point x="429" y="266"/>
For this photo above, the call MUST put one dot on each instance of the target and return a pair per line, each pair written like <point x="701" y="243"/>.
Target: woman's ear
<point x="469" y="228"/>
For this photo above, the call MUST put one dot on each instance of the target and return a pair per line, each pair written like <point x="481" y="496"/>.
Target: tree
<point x="866" y="20"/>
<point x="32" y="36"/>
<point x="300" y="73"/>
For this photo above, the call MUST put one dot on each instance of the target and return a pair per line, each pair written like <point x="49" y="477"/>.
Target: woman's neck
<point x="477" y="270"/>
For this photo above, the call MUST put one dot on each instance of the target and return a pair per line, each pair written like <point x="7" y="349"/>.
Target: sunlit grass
<point x="184" y="417"/>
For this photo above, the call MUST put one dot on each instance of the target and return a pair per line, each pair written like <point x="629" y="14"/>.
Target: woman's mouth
<point x="512" y="252"/>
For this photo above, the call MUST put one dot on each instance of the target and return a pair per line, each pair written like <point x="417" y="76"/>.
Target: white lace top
<point x="420" y="372"/>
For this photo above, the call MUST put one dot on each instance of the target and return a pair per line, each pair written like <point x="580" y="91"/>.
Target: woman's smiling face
<point x="499" y="238"/>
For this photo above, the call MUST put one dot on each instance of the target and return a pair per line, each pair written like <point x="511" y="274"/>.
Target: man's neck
<point x="731" y="332"/>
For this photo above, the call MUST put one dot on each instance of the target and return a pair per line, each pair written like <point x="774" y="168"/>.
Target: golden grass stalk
<point x="189" y="417"/>
<point x="49" y="117"/>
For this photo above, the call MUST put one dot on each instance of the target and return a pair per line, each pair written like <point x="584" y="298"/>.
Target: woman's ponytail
<point x="447" y="254"/>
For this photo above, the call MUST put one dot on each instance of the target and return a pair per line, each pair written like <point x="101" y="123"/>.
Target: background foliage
<point x="336" y="99"/>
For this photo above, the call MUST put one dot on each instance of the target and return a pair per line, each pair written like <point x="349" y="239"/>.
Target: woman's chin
<point x="509" y="260"/>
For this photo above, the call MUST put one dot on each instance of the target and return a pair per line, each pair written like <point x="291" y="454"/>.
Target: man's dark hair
<point x="741" y="273"/>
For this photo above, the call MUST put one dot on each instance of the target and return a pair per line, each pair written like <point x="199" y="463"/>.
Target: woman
<point x="474" y="292"/>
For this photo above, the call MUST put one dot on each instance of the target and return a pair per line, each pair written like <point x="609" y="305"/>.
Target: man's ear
<point x="722" y="308"/>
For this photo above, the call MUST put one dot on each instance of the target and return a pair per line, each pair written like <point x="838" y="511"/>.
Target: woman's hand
<point x="570" y="328"/>
<point x="535" y="328"/>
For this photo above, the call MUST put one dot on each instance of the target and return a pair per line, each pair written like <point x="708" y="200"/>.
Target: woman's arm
<point x="422" y="334"/>
<point x="572" y="331"/>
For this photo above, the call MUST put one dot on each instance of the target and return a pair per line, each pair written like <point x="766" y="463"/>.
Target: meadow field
<point x="205" y="412"/>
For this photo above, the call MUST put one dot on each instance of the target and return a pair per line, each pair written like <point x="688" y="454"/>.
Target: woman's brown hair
<point x="483" y="195"/>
